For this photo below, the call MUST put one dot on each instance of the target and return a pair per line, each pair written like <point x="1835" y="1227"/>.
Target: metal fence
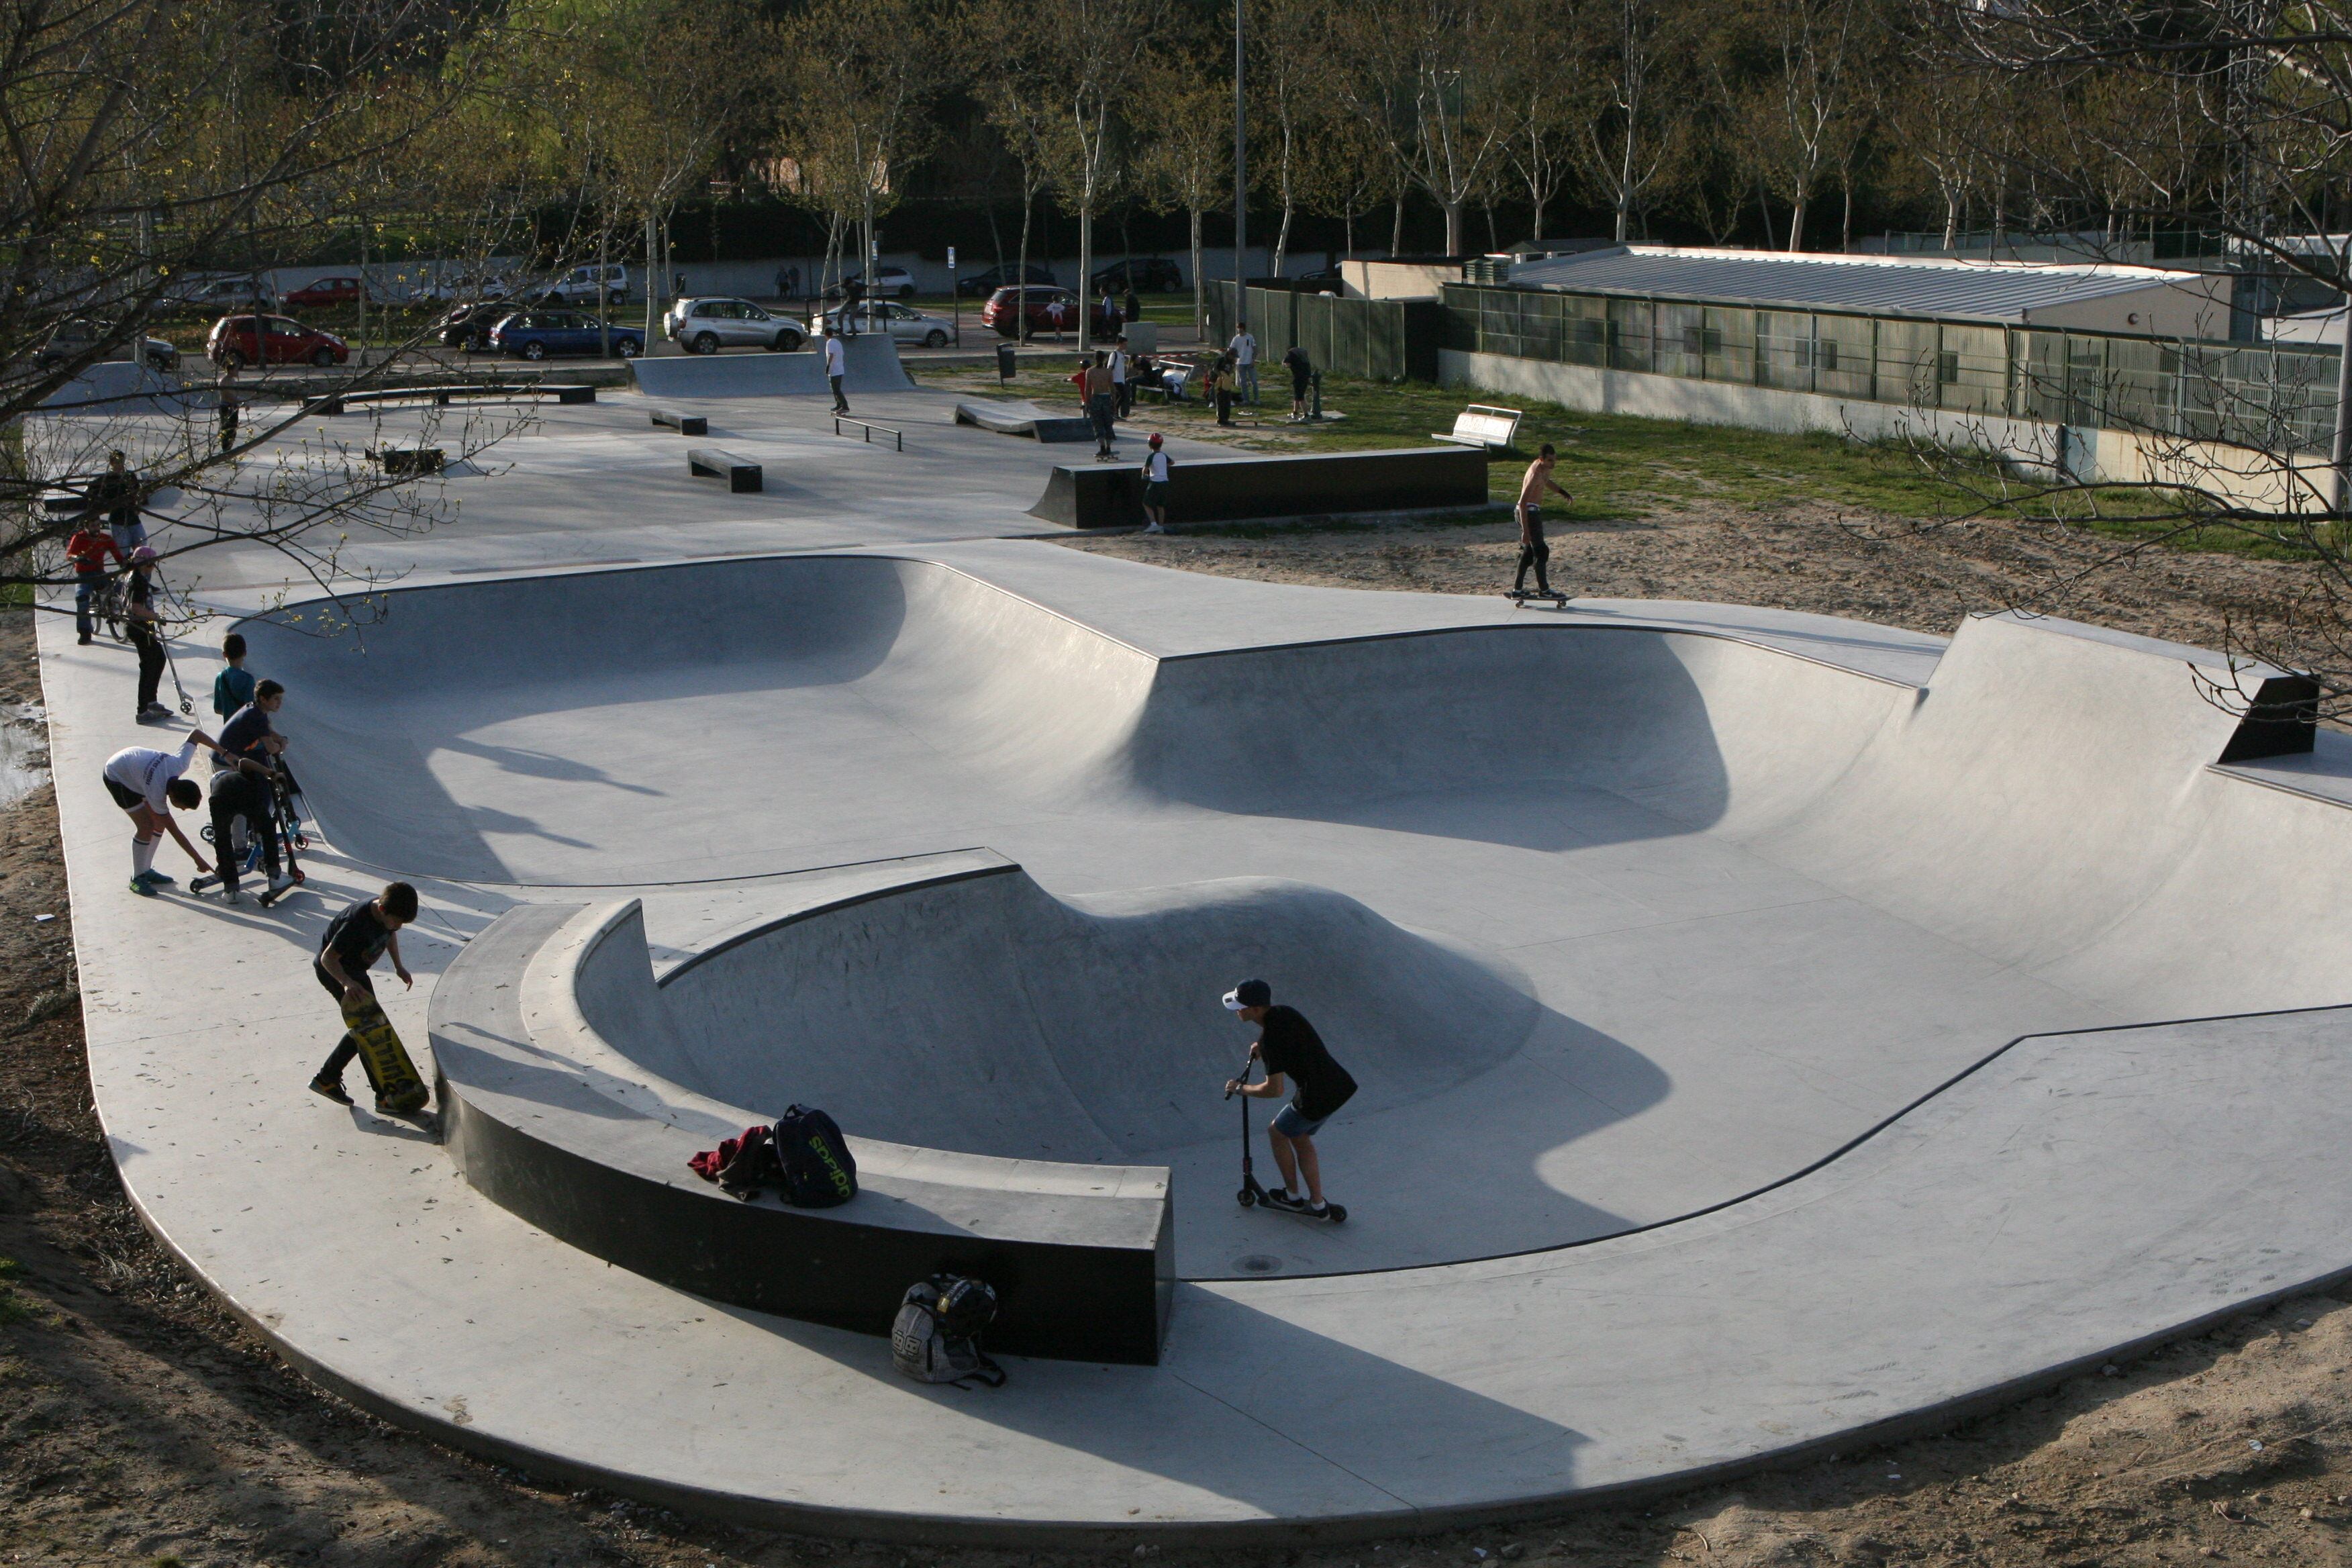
<point x="1375" y="340"/>
<point x="2278" y="397"/>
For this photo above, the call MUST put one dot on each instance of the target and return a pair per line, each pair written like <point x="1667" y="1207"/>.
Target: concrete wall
<point x="1395" y="280"/>
<point x="2199" y="310"/>
<point x="2114" y="457"/>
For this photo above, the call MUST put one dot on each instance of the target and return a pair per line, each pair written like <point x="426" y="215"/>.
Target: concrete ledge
<point x="551" y="1119"/>
<point x="741" y="475"/>
<point x="1229" y="489"/>
<point x="684" y="424"/>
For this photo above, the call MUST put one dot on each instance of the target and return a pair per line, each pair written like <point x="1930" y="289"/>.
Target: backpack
<point x="818" y="1171"/>
<point x="936" y="1338"/>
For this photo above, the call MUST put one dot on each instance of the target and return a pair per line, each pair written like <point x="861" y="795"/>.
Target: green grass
<point x="14" y="1309"/>
<point x="1618" y="467"/>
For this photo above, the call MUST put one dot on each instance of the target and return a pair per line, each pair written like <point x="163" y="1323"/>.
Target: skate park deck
<point x="1842" y="949"/>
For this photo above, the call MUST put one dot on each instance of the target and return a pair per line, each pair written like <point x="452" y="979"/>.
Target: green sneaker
<point x="141" y="886"/>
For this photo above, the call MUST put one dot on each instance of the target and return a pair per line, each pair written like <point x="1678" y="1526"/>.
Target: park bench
<point x="684" y="424"/>
<point x="1480" y="426"/>
<point x="742" y="477"/>
<point x="408" y="459"/>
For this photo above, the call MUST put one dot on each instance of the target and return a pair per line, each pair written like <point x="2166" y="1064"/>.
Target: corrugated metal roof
<point x="1900" y="286"/>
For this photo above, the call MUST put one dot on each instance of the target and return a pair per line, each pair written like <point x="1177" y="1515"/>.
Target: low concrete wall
<point x="2234" y="474"/>
<point x="1333" y="484"/>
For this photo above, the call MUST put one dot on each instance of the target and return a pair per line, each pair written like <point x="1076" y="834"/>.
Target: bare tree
<point x="1187" y="163"/>
<point x="1013" y="93"/>
<point x="1092" y="55"/>
<point x="1631" y="138"/>
<point x="1796" y="112"/>
<point x="1425" y="76"/>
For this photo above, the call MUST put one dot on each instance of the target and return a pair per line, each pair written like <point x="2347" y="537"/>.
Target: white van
<point x="578" y="287"/>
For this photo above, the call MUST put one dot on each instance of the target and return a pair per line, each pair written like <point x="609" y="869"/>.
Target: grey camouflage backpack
<point x="936" y="1338"/>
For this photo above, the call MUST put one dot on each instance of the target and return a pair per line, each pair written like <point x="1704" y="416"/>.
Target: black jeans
<point x="840" y="404"/>
<point x="86" y="585"/>
<point x="151" y="664"/>
<point x="1224" y="406"/>
<point x="236" y="795"/>
<point x="346" y="1048"/>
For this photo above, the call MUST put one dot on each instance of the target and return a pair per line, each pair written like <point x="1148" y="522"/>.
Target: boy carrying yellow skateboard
<point x="353" y="941"/>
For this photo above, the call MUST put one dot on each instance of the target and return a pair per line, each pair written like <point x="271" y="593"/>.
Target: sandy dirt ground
<point x="141" y="1425"/>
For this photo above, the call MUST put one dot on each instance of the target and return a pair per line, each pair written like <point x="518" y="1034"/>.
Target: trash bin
<point x="1006" y="368"/>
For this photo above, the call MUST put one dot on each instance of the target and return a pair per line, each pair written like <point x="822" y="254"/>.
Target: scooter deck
<point x="398" y="1088"/>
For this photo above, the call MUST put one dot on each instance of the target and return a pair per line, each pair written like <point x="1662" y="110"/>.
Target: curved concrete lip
<point x="1863" y="949"/>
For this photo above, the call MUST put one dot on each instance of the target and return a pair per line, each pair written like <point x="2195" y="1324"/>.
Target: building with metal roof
<point x="2087" y="296"/>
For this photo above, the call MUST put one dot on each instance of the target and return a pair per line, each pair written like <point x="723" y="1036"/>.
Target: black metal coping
<point x="1082" y="1258"/>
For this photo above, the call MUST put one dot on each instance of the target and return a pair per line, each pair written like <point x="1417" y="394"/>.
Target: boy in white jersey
<point x="1156" y="470"/>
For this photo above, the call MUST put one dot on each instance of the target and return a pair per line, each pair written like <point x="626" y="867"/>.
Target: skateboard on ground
<point x="399" y="1091"/>
<point x="1254" y="1196"/>
<point x="1521" y="595"/>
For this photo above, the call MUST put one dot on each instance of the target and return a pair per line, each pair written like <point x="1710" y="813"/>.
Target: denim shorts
<point x="1292" y="1122"/>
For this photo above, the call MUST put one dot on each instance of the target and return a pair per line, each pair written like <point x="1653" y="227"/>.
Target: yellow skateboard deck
<point x="390" y="1073"/>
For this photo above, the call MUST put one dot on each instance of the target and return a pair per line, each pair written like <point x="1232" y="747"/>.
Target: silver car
<point x="706" y="326"/>
<point x="905" y="323"/>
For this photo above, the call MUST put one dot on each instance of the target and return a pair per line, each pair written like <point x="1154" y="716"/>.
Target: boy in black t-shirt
<point x="354" y="940"/>
<point x="1289" y="1048"/>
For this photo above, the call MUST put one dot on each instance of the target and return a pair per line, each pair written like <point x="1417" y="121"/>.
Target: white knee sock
<point x="142" y="856"/>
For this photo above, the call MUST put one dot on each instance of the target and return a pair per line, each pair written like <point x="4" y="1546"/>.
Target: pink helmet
<point x="143" y="554"/>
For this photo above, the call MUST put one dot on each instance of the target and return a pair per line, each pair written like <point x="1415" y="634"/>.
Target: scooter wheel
<point x="1338" y="1215"/>
<point x="302" y="841"/>
<point x="301" y="875"/>
<point x="1245" y="1197"/>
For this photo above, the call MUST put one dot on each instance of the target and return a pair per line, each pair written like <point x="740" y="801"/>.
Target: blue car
<point x="537" y="334"/>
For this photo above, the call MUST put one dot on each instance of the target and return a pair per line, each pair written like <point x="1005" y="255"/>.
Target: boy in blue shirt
<point x="232" y="687"/>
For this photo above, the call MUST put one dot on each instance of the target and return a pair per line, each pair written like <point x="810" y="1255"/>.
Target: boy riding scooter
<point x="1289" y="1048"/>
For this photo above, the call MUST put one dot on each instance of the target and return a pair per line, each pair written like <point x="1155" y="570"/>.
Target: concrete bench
<point x="1481" y="425"/>
<point x="1326" y="484"/>
<point x="742" y="476"/>
<point x="684" y="424"/>
<point x="408" y="459"/>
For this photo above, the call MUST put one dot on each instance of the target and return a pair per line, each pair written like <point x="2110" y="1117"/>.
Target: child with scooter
<point x="1287" y="1047"/>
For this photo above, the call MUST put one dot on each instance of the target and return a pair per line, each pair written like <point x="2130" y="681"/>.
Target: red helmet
<point x="1155" y="437"/>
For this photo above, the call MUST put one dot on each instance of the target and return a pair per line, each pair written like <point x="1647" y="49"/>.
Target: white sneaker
<point x="231" y="896"/>
<point x="1153" y="528"/>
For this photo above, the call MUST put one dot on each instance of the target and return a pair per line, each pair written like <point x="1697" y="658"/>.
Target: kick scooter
<point x="1252" y="1194"/>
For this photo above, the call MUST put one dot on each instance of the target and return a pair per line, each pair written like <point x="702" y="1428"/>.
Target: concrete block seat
<point x="545" y="1032"/>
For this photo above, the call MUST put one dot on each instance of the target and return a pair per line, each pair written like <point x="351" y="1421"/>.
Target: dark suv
<point x="981" y="285"/>
<point x="1144" y="274"/>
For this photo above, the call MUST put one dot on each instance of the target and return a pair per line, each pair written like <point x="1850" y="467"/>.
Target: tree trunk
<point x="1199" y="293"/>
<point x="1453" y="239"/>
<point x="652" y="260"/>
<point x="1021" y="278"/>
<point x="1951" y="217"/>
<point x="1396" y="228"/>
<point x="1085" y="265"/>
<point x="1845" y="225"/>
<point x="1796" y="225"/>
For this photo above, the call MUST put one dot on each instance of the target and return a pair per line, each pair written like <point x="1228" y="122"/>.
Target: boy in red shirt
<point x="88" y="549"/>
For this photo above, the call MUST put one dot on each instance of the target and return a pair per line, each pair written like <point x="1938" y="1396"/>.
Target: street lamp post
<point x="1241" y="172"/>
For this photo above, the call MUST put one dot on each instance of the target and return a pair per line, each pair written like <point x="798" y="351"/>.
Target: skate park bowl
<point x="1618" y="925"/>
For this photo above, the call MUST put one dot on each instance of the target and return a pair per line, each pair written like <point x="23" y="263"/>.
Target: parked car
<point x="454" y="286"/>
<point x="981" y="285"/>
<point x="706" y="326"/>
<point x="1146" y="274"/>
<point x="904" y="322"/>
<point x="999" y="312"/>
<point x="536" y="334"/>
<point x="215" y="293"/>
<point x="75" y="335"/>
<point x="578" y="287"/>
<point x="468" y="326"/>
<point x="341" y="290"/>
<point x="889" y="283"/>
<point x="281" y="340"/>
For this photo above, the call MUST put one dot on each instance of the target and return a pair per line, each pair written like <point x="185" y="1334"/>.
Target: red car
<point x="282" y="342"/>
<point x="1040" y="305"/>
<point x="324" y="291"/>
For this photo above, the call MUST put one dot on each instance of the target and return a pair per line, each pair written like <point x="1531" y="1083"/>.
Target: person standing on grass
<point x="837" y="366"/>
<point x="1157" y="470"/>
<point x="1221" y="388"/>
<point x="1533" y="551"/>
<point x="1302" y="373"/>
<point x="1122" y="396"/>
<point x="88" y="550"/>
<point x="147" y="784"/>
<point x="354" y="940"/>
<point x="1244" y="353"/>
<point x="146" y="627"/>
<point x="1132" y="307"/>
<point x="228" y="405"/>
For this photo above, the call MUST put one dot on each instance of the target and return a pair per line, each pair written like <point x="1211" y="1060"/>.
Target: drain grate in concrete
<point x="1258" y="1263"/>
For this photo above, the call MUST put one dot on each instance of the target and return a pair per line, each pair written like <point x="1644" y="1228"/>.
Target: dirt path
<point x="139" y="1425"/>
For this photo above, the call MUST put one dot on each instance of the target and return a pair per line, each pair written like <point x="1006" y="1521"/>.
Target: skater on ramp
<point x="1289" y="1048"/>
<point x="1533" y="551"/>
<point x="354" y="940"/>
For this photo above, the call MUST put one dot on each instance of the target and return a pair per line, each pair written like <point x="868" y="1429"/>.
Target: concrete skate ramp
<point x="120" y="387"/>
<point x="1007" y="417"/>
<point x="872" y="367"/>
<point x="986" y="1017"/>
